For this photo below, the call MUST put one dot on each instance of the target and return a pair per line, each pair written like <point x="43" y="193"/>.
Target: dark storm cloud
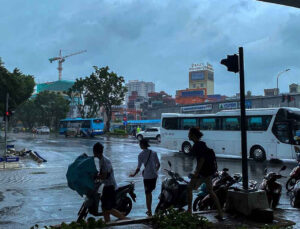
<point x="153" y="40"/>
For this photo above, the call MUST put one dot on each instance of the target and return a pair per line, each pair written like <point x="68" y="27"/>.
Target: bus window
<point x="86" y="124"/>
<point x="231" y="123"/>
<point x="63" y="124"/>
<point x="259" y="123"/>
<point x="209" y="124"/>
<point x="74" y="124"/>
<point x="187" y="123"/>
<point x="170" y="123"/>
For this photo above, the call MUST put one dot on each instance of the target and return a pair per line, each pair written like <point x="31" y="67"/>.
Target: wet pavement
<point x="38" y="194"/>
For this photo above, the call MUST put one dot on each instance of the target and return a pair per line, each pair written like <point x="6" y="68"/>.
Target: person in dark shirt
<point x="204" y="170"/>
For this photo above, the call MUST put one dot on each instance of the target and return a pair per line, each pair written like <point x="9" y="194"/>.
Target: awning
<point x="293" y="3"/>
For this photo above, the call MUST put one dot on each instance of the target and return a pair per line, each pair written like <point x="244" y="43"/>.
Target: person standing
<point x="151" y="166"/>
<point x="106" y="174"/>
<point x="206" y="167"/>
<point x="138" y="129"/>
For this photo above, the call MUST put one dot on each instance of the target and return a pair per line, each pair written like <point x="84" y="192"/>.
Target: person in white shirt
<point x="151" y="166"/>
<point x="106" y="174"/>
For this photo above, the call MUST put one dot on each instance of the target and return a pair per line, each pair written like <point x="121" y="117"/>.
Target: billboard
<point x="197" y="75"/>
<point x="227" y="106"/>
<point x="204" y="107"/>
<point x="234" y="105"/>
<point x="192" y="93"/>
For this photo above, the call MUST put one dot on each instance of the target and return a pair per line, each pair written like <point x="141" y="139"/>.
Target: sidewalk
<point x="231" y="221"/>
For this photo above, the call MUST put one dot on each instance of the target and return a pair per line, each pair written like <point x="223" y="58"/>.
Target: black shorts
<point x="149" y="185"/>
<point x="108" y="197"/>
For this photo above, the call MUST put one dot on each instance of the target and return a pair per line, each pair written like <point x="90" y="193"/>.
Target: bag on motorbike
<point x="81" y="173"/>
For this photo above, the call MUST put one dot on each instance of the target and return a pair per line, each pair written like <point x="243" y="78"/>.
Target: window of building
<point x="202" y="85"/>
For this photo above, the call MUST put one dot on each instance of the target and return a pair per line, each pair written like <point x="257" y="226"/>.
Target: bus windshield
<point x="287" y="127"/>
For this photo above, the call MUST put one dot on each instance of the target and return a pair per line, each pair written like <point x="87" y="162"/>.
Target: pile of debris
<point x="11" y="152"/>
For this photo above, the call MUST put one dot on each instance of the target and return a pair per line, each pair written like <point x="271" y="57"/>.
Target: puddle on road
<point x="56" y="187"/>
<point x="38" y="173"/>
<point x="1" y="196"/>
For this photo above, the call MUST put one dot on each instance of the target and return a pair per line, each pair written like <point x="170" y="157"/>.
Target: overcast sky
<point x="153" y="40"/>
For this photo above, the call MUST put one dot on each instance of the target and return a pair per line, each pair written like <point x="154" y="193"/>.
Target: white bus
<point x="272" y="133"/>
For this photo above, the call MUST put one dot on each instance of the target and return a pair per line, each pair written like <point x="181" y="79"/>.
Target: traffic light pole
<point x="243" y="120"/>
<point x="6" y="120"/>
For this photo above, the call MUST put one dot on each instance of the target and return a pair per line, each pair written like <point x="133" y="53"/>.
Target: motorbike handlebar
<point x="175" y="176"/>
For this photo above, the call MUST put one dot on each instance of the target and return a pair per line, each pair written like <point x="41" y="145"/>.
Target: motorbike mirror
<point x="169" y="163"/>
<point x="283" y="168"/>
<point x="225" y="170"/>
<point x="265" y="171"/>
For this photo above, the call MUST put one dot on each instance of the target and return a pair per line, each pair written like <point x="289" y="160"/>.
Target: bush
<point x="91" y="223"/>
<point x="175" y="219"/>
<point x="119" y="131"/>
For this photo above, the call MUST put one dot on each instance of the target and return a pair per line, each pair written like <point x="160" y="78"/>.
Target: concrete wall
<point x="251" y="102"/>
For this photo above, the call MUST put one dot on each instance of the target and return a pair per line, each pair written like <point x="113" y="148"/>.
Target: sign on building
<point x="228" y="106"/>
<point x="234" y="105"/>
<point x="204" y="107"/>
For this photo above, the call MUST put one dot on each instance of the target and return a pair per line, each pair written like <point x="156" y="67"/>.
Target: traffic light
<point x="7" y="114"/>
<point x="290" y="98"/>
<point x="232" y="63"/>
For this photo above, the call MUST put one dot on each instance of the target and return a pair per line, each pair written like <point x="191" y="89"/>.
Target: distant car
<point x="42" y="130"/>
<point x="16" y="130"/>
<point x="149" y="133"/>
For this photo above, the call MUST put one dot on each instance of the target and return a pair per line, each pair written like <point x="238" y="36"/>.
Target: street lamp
<point x="286" y="70"/>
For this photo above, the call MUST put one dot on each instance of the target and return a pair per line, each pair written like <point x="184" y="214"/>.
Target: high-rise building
<point x="142" y="88"/>
<point x="294" y="88"/>
<point x="202" y="76"/>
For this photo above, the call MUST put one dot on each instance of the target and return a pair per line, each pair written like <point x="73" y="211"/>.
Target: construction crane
<point x="61" y="59"/>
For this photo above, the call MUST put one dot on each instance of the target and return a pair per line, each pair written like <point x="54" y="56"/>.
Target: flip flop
<point x="149" y="214"/>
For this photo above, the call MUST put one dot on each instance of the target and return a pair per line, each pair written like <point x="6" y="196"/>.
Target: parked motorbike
<point x="221" y="183"/>
<point x="173" y="191"/>
<point x="294" y="177"/>
<point x="295" y="195"/>
<point x="273" y="189"/>
<point x="123" y="201"/>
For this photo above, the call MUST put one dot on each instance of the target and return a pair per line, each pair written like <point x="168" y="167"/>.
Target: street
<point x="38" y="194"/>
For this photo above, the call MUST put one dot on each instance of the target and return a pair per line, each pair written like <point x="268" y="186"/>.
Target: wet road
<point x="38" y="194"/>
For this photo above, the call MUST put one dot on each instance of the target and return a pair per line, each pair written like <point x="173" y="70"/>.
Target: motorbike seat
<point x="120" y="188"/>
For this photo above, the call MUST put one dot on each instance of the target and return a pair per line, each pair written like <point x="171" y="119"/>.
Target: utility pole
<point x="6" y="121"/>
<point x="235" y="63"/>
<point x="243" y="120"/>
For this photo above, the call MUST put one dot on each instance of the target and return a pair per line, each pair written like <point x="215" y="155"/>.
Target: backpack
<point x="214" y="164"/>
<point x="210" y="166"/>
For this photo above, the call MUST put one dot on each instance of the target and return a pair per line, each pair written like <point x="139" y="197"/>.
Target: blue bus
<point x="92" y="126"/>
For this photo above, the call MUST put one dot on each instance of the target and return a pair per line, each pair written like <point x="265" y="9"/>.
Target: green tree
<point x="79" y="96"/>
<point x="18" y="85"/>
<point x="51" y="107"/>
<point x="27" y="114"/>
<point x="107" y="89"/>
